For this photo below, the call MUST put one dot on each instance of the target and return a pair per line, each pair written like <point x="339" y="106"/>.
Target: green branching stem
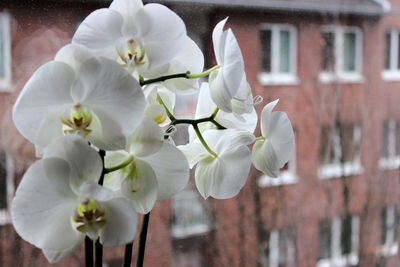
<point x="203" y="142"/>
<point x="186" y="75"/>
<point x="122" y="165"/>
<point x="98" y="246"/>
<point x="142" y="240"/>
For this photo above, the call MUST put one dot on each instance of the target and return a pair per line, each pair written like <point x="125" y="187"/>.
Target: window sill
<point x="349" y="260"/>
<point x="5" y="86"/>
<point x="390" y="75"/>
<point x="388" y="250"/>
<point x="339" y="170"/>
<point x="342" y="77"/>
<point x="277" y="79"/>
<point x="4" y="217"/>
<point x="185" y="232"/>
<point x="284" y="178"/>
<point x="389" y="163"/>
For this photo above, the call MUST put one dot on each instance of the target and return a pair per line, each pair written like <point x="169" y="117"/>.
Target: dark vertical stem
<point x="98" y="254"/>
<point x="142" y="240"/>
<point x="128" y="254"/>
<point x="88" y="252"/>
<point x="98" y="246"/>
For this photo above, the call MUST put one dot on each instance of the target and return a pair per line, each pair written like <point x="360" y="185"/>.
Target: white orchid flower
<point x="156" y="169"/>
<point x="221" y="175"/>
<point x="205" y="106"/>
<point x="143" y="38"/>
<point x="154" y="109"/>
<point x="58" y="202"/>
<point x="101" y="101"/>
<point x="276" y="146"/>
<point x="226" y="81"/>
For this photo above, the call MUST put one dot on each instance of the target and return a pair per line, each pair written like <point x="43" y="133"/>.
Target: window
<point x="278" y="54"/>
<point x="287" y="175"/>
<point x="5" y="52"/>
<point x="279" y="249"/>
<point x="389" y="227"/>
<point x="341" y="54"/>
<point x="392" y="55"/>
<point x="390" y="158"/>
<point x="6" y="186"/>
<point x="189" y="216"/>
<point x="339" y="151"/>
<point x="338" y="241"/>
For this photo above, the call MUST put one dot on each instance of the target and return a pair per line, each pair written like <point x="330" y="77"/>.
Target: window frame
<point x="179" y="232"/>
<point x="338" y="74"/>
<point x="274" y="77"/>
<point x="393" y="73"/>
<point x="337" y="258"/>
<point x="388" y="249"/>
<point x="336" y="168"/>
<point x="393" y="160"/>
<point x="5" y="82"/>
<point x="272" y="260"/>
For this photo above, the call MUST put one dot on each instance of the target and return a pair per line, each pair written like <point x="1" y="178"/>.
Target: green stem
<point x="98" y="254"/>
<point x="203" y="74"/>
<point x="203" y="142"/>
<point x="169" y="114"/>
<point x="215" y="113"/>
<point x="123" y="164"/>
<point x="128" y="255"/>
<point x="259" y="138"/>
<point x="142" y="240"/>
<point x="185" y="75"/>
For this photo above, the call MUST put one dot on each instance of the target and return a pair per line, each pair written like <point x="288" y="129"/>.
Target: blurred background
<point x="334" y="65"/>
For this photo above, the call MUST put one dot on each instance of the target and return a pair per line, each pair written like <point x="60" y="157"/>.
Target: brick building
<point x="335" y="65"/>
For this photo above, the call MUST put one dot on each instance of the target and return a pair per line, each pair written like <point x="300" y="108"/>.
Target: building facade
<point x="334" y="65"/>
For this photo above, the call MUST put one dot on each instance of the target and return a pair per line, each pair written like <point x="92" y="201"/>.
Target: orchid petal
<point x="264" y="158"/>
<point x="147" y="139"/>
<point x="171" y="169"/>
<point x="73" y="55"/>
<point x="193" y="152"/>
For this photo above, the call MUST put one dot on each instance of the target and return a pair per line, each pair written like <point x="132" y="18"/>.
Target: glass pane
<point x="349" y="60"/>
<point x="387" y="50"/>
<point x="325" y="238"/>
<point x="3" y="181"/>
<point x="347" y="143"/>
<point x="346" y="235"/>
<point x="265" y="38"/>
<point x="284" y="52"/>
<point x="326" y="151"/>
<point x="385" y="140"/>
<point x="398" y="51"/>
<point x="383" y="226"/>
<point x="328" y="51"/>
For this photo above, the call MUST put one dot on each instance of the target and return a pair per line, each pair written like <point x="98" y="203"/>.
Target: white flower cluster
<point x="112" y="92"/>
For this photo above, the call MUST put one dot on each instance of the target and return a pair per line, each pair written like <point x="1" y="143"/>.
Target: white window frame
<point x="192" y="230"/>
<point x="338" y="74"/>
<point x="273" y="243"/>
<point x="285" y="177"/>
<point x="5" y="217"/>
<point x="337" y="259"/>
<point x="275" y="77"/>
<point x="393" y="160"/>
<point x="393" y="73"/>
<point x="337" y="169"/>
<point x="5" y="82"/>
<point x="391" y="245"/>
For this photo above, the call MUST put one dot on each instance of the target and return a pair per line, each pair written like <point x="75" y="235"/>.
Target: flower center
<point x="89" y="218"/>
<point x="132" y="53"/>
<point x="78" y="121"/>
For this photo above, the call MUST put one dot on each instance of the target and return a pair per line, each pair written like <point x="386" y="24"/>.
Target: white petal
<point x="84" y="160"/>
<point x="128" y="9"/>
<point x="100" y="31"/>
<point x="223" y="177"/>
<point x="54" y="256"/>
<point x="171" y="169"/>
<point x="114" y="179"/>
<point x="45" y="96"/>
<point x="43" y="206"/>
<point x="91" y="190"/>
<point x="140" y="186"/>
<point x="193" y="152"/>
<point x="74" y="55"/>
<point x="264" y="158"/>
<point x="190" y="58"/>
<point x="266" y="117"/>
<point x="147" y="139"/>
<point x="220" y="93"/>
<point x="161" y="32"/>
<point x="217" y="40"/>
<point x="225" y="140"/>
<point x="109" y="89"/>
<point x="121" y="223"/>
<point x="205" y="106"/>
